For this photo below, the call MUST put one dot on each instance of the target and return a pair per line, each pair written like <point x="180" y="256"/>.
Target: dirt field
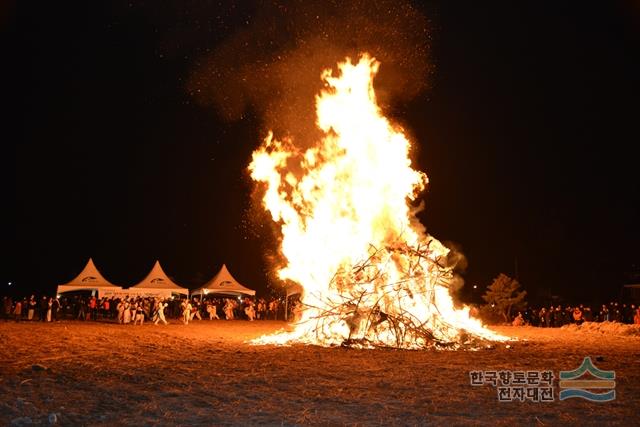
<point x="85" y="373"/>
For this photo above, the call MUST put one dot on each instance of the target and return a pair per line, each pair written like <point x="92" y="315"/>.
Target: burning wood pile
<point x="375" y="309"/>
<point x="372" y="276"/>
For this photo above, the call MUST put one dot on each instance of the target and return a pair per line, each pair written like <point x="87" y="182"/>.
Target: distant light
<point x="9" y="283"/>
<point x="475" y="286"/>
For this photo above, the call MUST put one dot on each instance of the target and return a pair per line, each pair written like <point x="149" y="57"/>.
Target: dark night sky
<point x="528" y="133"/>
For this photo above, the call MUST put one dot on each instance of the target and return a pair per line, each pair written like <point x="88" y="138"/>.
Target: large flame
<point x="370" y="273"/>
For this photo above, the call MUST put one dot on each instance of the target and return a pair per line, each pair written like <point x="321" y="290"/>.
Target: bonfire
<point x="372" y="276"/>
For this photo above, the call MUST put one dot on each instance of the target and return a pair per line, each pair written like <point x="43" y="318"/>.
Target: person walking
<point x="212" y="309"/>
<point x="228" y="309"/>
<point x="81" y="311"/>
<point x="160" y="313"/>
<point x="249" y="310"/>
<point x="195" y="310"/>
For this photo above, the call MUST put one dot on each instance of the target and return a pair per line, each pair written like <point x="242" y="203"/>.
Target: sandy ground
<point x="85" y="373"/>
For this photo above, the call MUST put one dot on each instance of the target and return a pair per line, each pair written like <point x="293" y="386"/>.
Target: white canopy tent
<point x="90" y="279"/>
<point x="293" y="288"/>
<point x="156" y="284"/>
<point x="223" y="283"/>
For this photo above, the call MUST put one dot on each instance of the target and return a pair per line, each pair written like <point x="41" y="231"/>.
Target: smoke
<point x="458" y="262"/>
<point x="271" y="65"/>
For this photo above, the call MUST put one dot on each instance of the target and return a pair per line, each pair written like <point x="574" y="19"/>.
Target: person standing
<point x="49" y="309"/>
<point x="17" y="311"/>
<point x="541" y="315"/>
<point x="133" y="309"/>
<point x="55" y="308"/>
<point x="93" y="308"/>
<point x="604" y="313"/>
<point x="126" y="315"/>
<point x="519" y="320"/>
<point x="261" y="309"/>
<point x="146" y="308"/>
<point x="186" y="311"/>
<point x="558" y="317"/>
<point x="44" y="306"/>
<point x="8" y="304"/>
<point x="32" y="307"/>
<point x="587" y="315"/>
<point x="273" y="309"/>
<point x="577" y="316"/>
<point x="139" y="314"/>
<point x="120" y="309"/>
<point x="106" y="306"/>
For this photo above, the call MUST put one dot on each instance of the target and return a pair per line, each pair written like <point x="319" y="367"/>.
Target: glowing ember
<point x="371" y="275"/>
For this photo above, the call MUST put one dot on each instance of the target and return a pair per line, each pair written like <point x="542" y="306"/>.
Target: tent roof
<point x="293" y="288"/>
<point x="224" y="283"/>
<point x="157" y="279"/>
<point x="90" y="278"/>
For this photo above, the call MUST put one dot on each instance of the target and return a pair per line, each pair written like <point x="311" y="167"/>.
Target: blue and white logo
<point x="576" y="384"/>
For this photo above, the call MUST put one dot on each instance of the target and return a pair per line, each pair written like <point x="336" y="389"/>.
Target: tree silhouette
<point x="503" y="295"/>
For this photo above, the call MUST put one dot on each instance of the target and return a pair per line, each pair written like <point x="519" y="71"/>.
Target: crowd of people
<point x="137" y="310"/>
<point x="559" y="315"/>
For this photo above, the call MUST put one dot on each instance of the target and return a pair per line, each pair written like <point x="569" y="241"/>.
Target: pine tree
<point x="504" y="295"/>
